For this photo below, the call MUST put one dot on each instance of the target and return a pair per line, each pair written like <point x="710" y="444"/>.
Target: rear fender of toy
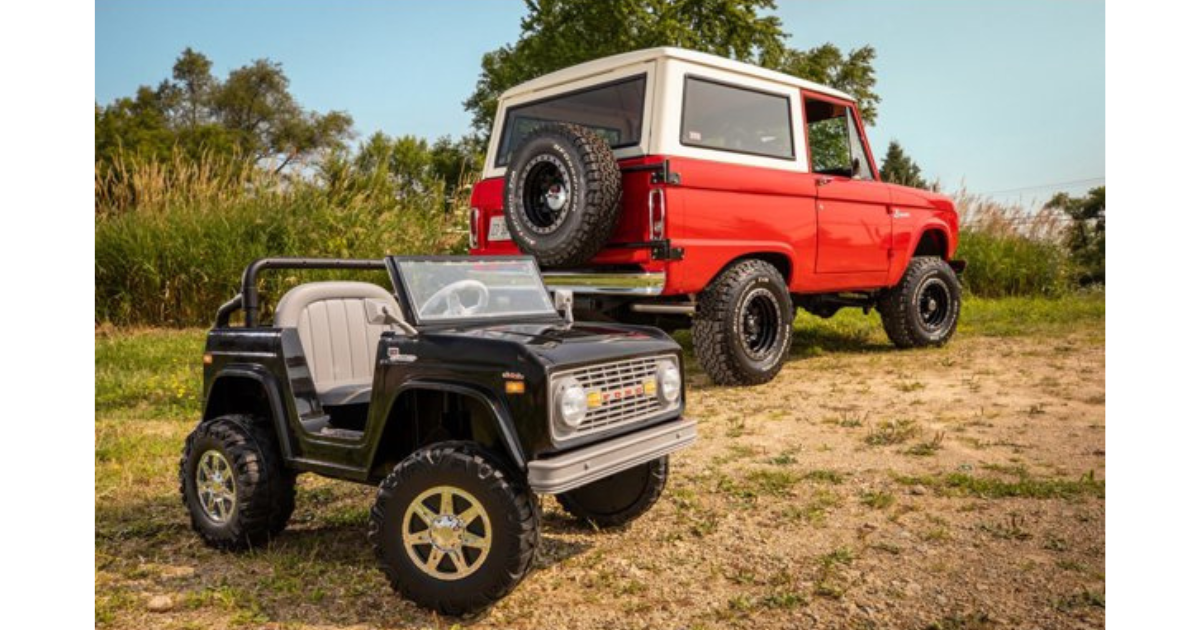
<point x="246" y="373"/>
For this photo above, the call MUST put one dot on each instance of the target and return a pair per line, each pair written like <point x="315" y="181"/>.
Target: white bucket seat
<point x="339" y="343"/>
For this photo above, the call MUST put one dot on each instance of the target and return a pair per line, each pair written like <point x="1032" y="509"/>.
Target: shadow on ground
<point x="319" y="571"/>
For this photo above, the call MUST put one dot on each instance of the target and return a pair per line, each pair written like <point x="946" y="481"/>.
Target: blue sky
<point x="1004" y="96"/>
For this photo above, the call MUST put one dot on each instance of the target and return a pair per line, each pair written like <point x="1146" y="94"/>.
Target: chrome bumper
<point x="601" y="283"/>
<point x="581" y="467"/>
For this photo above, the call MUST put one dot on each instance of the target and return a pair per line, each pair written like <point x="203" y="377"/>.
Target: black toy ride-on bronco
<point x="461" y="392"/>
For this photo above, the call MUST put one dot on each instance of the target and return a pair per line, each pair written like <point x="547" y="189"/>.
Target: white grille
<point x="621" y="386"/>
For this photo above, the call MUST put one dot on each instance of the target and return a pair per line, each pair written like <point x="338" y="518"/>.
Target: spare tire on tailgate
<point x="562" y="194"/>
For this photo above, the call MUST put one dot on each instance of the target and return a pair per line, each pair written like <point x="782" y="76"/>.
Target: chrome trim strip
<point x="601" y="283"/>
<point x="664" y="309"/>
<point x="583" y="466"/>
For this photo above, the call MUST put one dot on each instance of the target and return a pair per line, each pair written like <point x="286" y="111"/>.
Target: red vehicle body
<point x="826" y="233"/>
<point x="687" y="215"/>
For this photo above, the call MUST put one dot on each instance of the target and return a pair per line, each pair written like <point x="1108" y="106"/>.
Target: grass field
<point x="960" y="487"/>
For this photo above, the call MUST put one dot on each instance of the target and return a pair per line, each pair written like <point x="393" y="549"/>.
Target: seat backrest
<point x="331" y="321"/>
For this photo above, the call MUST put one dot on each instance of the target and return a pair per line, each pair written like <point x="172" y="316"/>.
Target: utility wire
<point x="1072" y="183"/>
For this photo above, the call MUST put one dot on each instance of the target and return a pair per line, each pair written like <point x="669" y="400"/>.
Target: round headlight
<point x="670" y="382"/>
<point x="572" y="403"/>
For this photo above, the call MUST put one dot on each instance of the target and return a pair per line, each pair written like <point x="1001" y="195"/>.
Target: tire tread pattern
<point x="601" y="198"/>
<point x="524" y="520"/>
<point x="713" y="336"/>
<point x="893" y="304"/>
<point x="266" y="488"/>
<point x="657" y="481"/>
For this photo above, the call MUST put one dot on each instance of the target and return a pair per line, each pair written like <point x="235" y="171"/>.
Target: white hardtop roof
<point x="608" y="64"/>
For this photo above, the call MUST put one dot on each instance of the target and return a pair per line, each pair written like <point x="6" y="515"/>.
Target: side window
<point x="741" y="120"/>
<point x="860" y="168"/>
<point x="833" y="141"/>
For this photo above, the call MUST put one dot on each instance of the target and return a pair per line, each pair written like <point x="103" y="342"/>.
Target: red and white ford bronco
<point x="676" y="188"/>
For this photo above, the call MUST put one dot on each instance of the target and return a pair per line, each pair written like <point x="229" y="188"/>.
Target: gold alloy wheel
<point x="447" y="533"/>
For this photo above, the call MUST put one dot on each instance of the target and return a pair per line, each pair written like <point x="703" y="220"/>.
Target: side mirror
<point x="856" y="168"/>
<point x="379" y="313"/>
<point x="564" y="303"/>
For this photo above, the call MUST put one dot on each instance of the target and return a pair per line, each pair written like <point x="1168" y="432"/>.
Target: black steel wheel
<point x="760" y="328"/>
<point x="562" y="194"/>
<point x="923" y="308"/>
<point x="933" y="304"/>
<point x="453" y="529"/>
<point x="620" y="498"/>
<point x="743" y="325"/>
<point x="546" y="194"/>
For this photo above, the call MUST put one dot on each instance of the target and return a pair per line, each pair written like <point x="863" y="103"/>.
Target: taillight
<point x="657" y="202"/>
<point x="473" y="231"/>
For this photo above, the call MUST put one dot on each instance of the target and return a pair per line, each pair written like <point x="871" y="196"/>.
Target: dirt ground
<point x="953" y="488"/>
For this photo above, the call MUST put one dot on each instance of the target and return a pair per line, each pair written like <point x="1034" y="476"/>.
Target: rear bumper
<point x="581" y="467"/>
<point x="603" y="283"/>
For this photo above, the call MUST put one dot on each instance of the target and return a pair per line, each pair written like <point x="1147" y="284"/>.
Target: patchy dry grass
<point x="988" y="513"/>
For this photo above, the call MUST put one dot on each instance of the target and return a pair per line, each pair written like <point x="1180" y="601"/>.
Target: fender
<point x="931" y="224"/>
<point x="501" y="416"/>
<point x="699" y="272"/>
<point x="269" y="384"/>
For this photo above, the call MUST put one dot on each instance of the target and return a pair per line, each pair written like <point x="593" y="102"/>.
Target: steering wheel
<point x="449" y="295"/>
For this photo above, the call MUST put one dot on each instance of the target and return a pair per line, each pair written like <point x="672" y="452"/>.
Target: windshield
<point x="474" y="288"/>
<point x="612" y="110"/>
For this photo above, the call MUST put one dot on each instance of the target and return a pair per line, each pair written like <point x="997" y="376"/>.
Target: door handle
<point x="822" y="181"/>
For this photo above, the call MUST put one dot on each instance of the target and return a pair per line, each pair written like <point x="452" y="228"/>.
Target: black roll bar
<point x="247" y="300"/>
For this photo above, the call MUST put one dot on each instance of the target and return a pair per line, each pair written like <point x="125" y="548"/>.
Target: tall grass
<point x="1011" y="251"/>
<point x="172" y="239"/>
<point x="173" y="236"/>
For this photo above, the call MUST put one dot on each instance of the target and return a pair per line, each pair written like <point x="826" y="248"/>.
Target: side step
<point x="341" y="434"/>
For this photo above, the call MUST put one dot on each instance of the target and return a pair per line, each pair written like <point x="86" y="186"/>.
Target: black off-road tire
<point x="265" y="488"/>
<point x="584" y="162"/>
<point x="721" y="326"/>
<point x="910" y="319"/>
<point x="511" y="509"/>
<point x="620" y="498"/>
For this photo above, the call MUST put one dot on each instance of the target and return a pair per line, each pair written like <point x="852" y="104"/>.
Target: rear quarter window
<point x="736" y="119"/>
<point x="612" y="110"/>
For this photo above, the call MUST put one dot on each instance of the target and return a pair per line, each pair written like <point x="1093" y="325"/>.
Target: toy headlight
<point x="670" y="382"/>
<point x="572" y="402"/>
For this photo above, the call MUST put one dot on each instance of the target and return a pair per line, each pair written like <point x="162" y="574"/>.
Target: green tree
<point x="559" y="33"/>
<point x="852" y="73"/>
<point x="1085" y="239"/>
<point x="254" y="103"/>
<point x="139" y="123"/>
<point x="192" y="89"/>
<point x="406" y="166"/>
<point x="898" y="168"/>
<point x="251" y="113"/>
